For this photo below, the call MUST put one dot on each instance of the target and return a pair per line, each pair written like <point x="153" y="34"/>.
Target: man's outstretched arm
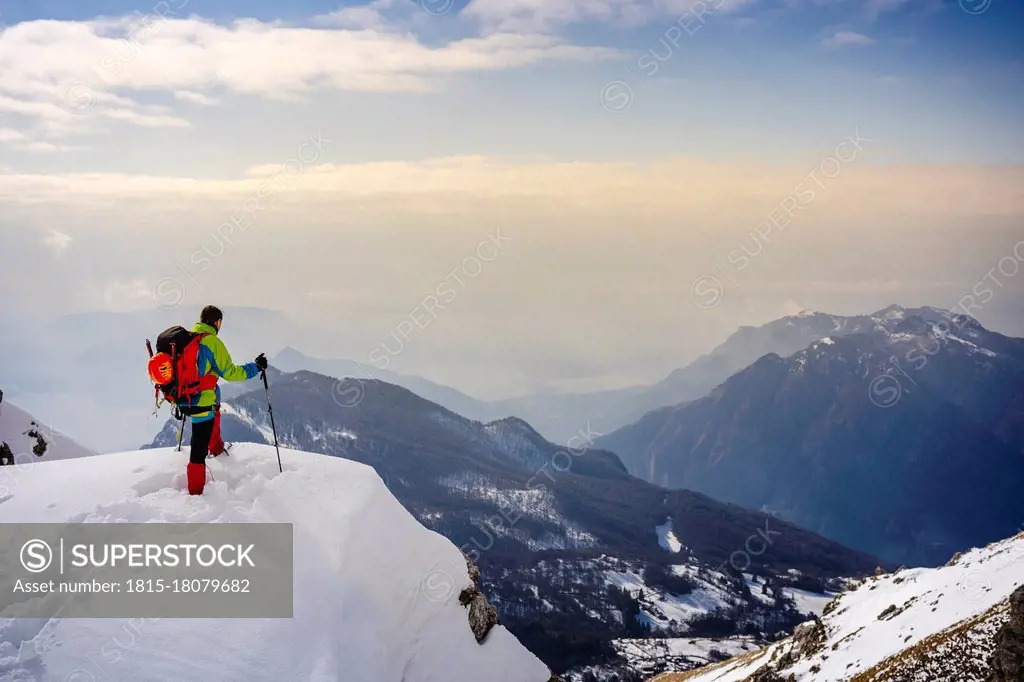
<point x="225" y="368"/>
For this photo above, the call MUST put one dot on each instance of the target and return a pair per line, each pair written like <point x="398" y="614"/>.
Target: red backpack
<point x="174" y="369"/>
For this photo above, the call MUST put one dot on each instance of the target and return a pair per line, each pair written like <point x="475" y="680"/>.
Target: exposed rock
<point x="482" y="615"/>
<point x="954" y="559"/>
<point x="39" y="449"/>
<point x="767" y="674"/>
<point x="1008" y="659"/>
<point x="809" y="638"/>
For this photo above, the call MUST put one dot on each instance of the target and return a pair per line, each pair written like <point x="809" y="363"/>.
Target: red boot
<point x="196" y="478"/>
<point x="216" y="442"/>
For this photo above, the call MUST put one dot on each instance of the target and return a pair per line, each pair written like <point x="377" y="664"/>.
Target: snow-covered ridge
<point x="27" y="436"/>
<point x="916" y="625"/>
<point x="376" y="595"/>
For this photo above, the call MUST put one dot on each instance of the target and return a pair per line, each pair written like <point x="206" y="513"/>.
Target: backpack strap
<point x="207" y="382"/>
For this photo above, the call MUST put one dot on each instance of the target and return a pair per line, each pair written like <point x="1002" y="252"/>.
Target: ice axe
<point x="270" y="408"/>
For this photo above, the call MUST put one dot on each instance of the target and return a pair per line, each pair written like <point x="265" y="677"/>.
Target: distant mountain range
<point x="575" y="552"/>
<point x="899" y="433"/>
<point x="560" y="416"/>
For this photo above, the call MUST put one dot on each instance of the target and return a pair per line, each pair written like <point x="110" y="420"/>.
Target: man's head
<point x="212" y="316"/>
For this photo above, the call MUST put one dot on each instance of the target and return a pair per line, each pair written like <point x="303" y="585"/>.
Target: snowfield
<point x="659" y="609"/>
<point x="811" y="603"/>
<point x="646" y="654"/>
<point x="918" y="625"/>
<point x="667" y="538"/>
<point x="375" y="593"/>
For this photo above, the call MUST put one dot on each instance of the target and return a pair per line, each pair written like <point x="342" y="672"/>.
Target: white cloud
<point x="845" y="38"/>
<point x="67" y="77"/>
<point x="545" y="15"/>
<point x="194" y="98"/>
<point x="548" y="15"/>
<point x="57" y="241"/>
<point x="370" y="16"/>
<point x="22" y="142"/>
<point x="10" y="135"/>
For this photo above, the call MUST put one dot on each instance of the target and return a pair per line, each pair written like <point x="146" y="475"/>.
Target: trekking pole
<point x="273" y="427"/>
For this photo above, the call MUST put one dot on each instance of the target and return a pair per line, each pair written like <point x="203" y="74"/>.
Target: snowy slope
<point x="14" y="425"/>
<point x="917" y="625"/>
<point x="361" y="561"/>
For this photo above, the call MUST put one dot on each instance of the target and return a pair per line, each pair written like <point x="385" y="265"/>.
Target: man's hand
<point x="261" y="363"/>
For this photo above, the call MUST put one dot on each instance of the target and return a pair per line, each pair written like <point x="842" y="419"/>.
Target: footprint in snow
<point x="156" y="483"/>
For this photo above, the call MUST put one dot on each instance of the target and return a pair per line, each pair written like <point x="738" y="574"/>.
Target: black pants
<point x="201" y="434"/>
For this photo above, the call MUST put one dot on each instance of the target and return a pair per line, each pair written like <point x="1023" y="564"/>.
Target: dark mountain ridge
<point x="903" y="438"/>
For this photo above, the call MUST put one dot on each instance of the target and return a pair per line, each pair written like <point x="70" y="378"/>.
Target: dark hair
<point x="211" y="315"/>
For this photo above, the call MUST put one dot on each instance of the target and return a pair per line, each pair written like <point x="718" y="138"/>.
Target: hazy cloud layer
<point x="597" y="269"/>
<point x="464" y="179"/>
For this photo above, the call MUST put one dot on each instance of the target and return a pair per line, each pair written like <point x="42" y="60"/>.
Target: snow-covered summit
<point x="376" y="595"/>
<point x="806" y="313"/>
<point x="917" y="625"/>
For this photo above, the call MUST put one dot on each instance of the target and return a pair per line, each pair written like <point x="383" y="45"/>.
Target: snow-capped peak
<point x="376" y="595"/>
<point x="892" y="312"/>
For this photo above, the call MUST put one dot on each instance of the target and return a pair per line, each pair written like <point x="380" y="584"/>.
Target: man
<point x="213" y="358"/>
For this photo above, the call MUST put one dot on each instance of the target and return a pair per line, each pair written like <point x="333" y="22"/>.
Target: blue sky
<point x="629" y="158"/>
<point x="756" y="79"/>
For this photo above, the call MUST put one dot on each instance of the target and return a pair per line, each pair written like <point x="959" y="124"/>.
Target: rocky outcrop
<point x="769" y="675"/>
<point x="39" y="449"/>
<point x="482" y="615"/>
<point x="1008" y="659"/>
<point x="809" y="638"/>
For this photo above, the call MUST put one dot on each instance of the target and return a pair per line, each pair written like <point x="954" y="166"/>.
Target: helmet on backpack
<point x="161" y="369"/>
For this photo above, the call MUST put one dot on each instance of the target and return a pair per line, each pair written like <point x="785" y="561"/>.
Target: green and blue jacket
<point x="214" y="357"/>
